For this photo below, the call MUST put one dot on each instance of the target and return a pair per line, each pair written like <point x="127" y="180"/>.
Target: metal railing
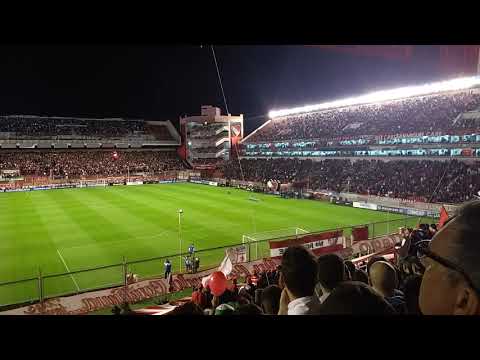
<point x="44" y="286"/>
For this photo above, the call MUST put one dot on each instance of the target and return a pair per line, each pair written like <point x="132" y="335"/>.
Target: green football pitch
<point x="64" y="231"/>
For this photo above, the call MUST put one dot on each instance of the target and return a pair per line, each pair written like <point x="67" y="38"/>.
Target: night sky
<point x="164" y="82"/>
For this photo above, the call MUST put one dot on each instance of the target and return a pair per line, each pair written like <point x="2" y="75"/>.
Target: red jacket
<point x="199" y="298"/>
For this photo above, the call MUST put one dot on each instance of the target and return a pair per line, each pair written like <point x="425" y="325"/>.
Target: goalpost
<point x="255" y="238"/>
<point x="91" y="183"/>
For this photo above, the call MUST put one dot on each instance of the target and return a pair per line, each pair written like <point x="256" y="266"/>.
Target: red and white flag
<point x="226" y="266"/>
<point x="443" y="217"/>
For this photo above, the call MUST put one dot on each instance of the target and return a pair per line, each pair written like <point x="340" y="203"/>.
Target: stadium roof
<point x="385" y="95"/>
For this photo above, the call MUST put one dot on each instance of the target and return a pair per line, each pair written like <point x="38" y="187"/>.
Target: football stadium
<point x="321" y="209"/>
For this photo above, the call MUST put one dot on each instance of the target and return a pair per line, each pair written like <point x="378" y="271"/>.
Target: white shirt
<point x="324" y="296"/>
<point x="325" y="293"/>
<point x="302" y="306"/>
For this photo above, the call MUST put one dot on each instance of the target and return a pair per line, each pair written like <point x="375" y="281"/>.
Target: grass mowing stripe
<point x="96" y="226"/>
<point x="144" y="219"/>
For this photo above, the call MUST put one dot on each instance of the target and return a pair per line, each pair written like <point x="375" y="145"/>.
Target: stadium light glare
<point x="385" y="95"/>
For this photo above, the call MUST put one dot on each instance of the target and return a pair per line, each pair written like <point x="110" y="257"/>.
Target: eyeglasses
<point x="424" y="251"/>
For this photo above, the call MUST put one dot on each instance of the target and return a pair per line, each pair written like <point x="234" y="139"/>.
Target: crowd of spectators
<point x="74" y="164"/>
<point x="36" y="127"/>
<point x="425" y="113"/>
<point x="396" y="178"/>
<point x="435" y="273"/>
<point x="45" y="126"/>
<point x="209" y="161"/>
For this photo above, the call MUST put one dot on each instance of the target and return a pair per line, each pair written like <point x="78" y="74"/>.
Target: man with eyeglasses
<point x="451" y="281"/>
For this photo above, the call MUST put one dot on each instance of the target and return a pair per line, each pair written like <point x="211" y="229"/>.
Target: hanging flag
<point x="205" y="281"/>
<point x="360" y="233"/>
<point x="226" y="266"/>
<point x="233" y="256"/>
<point x="443" y="217"/>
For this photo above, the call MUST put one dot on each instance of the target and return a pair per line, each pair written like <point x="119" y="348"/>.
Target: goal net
<point x="258" y="242"/>
<point x="93" y="183"/>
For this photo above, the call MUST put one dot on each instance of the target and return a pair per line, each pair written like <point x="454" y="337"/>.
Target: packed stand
<point x="76" y="164"/>
<point x="41" y="127"/>
<point x="398" y="179"/>
<point x="426" y="113"/>
<point x="210" y="161"/>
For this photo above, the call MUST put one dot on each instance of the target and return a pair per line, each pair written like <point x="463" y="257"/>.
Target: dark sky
<point x="164" y="82"/>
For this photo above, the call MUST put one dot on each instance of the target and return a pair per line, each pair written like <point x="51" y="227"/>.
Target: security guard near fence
<point x="168" y="268"/>
<point x="196" y="264"/>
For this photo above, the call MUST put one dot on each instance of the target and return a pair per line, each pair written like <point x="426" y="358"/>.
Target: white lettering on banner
<point x="363" y="205"/>
<point x="142" y="290"/>
<point x="371" y="246"/>
<point x="311" y="245"/>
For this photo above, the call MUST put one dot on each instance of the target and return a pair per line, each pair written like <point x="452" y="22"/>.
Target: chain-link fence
<point x="54" y="285"/>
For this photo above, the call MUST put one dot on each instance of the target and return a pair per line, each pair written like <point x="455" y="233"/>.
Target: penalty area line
<point x="299" y="228"/>
<point x="68" y="270"/>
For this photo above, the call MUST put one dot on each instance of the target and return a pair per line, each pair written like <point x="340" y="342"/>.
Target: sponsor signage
<point x="204" y="182"/>
<point x="134" y="182"/>
<point x="363" y="205"/>
<point x="408" y="211"/>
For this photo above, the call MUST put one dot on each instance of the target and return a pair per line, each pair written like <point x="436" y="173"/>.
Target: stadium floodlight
<point x="385" y="95"/>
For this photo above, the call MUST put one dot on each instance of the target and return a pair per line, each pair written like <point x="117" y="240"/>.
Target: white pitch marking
<point x="68" y="270"/>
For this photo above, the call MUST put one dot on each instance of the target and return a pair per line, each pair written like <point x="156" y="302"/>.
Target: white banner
<point x="371" y="246"/>
<point x="363" y="205"/>
<point x="134" y="182"/>
<point x="314" y="245"/>
<point x="238" y="254"/>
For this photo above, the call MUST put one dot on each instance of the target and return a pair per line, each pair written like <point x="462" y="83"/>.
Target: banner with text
<point x="321" y="243"/>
